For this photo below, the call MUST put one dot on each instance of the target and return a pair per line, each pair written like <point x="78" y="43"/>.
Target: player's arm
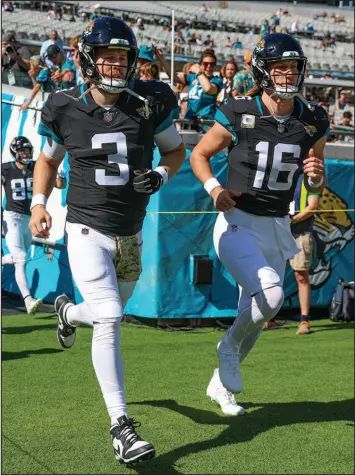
<point x="308" y="211"/>
<point x="313" y="168"/>
<point x="213" y="142"/>
<point x="44" y="179"/>
<point x="169" y="143"/>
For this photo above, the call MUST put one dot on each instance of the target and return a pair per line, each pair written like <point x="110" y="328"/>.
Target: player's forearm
<point x="173" y="160"/>
<point x="45" y="174"/>
<point x="201" y="166"/>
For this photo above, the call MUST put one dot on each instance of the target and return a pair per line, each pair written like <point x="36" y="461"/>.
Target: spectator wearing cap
<point x="15" y="61"/>
<point x="342" y="103"/>
<point x="145" y="55"/>
<point x="53" y="40"/>
<point x="243" y="80"/>
<point x="50" y="81"/>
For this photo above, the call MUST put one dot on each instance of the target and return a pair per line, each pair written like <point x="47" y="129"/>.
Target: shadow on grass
<point x="333" y="326"/>
<point x="27" y="329"/>
<point x="242" y="429"/>
<point x="30" y="455"/>
<point x="15" y="355"/>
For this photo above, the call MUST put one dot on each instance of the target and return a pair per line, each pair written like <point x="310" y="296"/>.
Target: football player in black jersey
<point x="108" y="126"/>
<point x="17" y="179"/>
<point x="272" y="135"/>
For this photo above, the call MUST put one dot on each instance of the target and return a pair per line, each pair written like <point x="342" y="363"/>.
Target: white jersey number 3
<point x="277" y="165"/>
<point x="120" y="158"/>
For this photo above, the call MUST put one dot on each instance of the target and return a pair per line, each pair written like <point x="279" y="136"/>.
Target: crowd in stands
<point x="54" y="67"/>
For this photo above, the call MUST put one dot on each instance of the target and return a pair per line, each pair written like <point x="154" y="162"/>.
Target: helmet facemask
<point x="91" y="69"/>
<point x="268" y="82"/>
<point x="24" y="155"/>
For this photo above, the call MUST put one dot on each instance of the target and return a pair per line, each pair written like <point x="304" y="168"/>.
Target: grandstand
<point x="219" y="23"/>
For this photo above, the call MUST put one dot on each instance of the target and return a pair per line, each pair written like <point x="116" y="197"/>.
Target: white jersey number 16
<point x="277" y="166"/>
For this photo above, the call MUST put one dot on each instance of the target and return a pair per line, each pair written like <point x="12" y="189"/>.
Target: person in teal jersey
<point x="204" y="87"/>
<point x="243" y="81"/>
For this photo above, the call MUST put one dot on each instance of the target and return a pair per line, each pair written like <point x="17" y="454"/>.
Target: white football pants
<point x="97" y="261"/>
<point x="254" y="249"/>
<point x="18" y="240"/>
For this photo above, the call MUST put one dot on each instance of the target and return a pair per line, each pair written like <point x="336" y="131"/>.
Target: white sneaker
<point x="32" y="305"/>
<point x="229" y="367"/>
<point x="224" y="398"/>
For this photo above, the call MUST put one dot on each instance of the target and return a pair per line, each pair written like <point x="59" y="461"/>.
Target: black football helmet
<point x="22" y="150"/>
<point x="107" y="32"/>
<point x="276" y="47"/>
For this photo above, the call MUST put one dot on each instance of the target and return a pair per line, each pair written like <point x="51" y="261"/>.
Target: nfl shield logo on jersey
<point x="108" y="116"/>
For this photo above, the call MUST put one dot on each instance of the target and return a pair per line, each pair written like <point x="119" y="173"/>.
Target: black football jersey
<point x="264" y="162"/>
<point x="104" y="148"/>
<point x="18" y="187"/>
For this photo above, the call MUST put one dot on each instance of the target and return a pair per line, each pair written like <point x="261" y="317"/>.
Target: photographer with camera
<point x="15" y="62"/>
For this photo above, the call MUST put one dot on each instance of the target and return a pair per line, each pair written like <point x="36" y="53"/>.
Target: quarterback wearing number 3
<point x="108" y="126"/>
<point x="273" y="135"/>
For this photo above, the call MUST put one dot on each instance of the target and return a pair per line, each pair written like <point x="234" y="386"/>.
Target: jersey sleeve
<point x="218" y="82"/>
<point x="43" y="75"/>
<point x="4" y="173"/>
<point x="189" y="78"/>
<point x="226" y="116"/>
<point x="49" y="125"/>
<point x="323" y="123"/>
<point x="238" y="83"/>
<point x="165" y="134"/>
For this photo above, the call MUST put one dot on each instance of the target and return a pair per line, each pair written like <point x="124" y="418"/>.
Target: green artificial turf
<point x="298" y="394"/>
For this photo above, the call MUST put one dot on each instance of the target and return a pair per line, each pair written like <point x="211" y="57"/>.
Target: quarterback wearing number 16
<point x="273" y="135"/>
<point x="108" y="126"/>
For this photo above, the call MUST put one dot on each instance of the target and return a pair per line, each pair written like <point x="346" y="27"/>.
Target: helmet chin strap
<point x="127" y="89"/>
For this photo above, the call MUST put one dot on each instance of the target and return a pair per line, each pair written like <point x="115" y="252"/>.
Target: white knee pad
<point x="106" y="311"/>
<point x="107" y="332"/>
<point x="269" y="301"/>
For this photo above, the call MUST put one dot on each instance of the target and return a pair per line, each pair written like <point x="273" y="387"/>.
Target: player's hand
<point x="313" y="167"/>
<point x="38" y="218"/>
<point x="223" y="199"/>
<point x="147" y="181"/>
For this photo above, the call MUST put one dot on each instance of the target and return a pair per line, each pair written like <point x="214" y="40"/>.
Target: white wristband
<point x="317" y="184"/>
<point x="211" y="184"/>
<point x="38" y="200"/>
<point x="164" y="174"/>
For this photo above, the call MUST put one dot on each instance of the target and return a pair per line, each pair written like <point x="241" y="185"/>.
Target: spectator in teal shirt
<point x="204" y="87"/>
<point x="47" y="81"/>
